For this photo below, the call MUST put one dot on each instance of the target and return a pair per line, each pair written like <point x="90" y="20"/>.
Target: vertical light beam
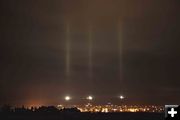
<point x="90" y="52"/>
<point x="120" y="45"/>
<point x="68" y="46"/>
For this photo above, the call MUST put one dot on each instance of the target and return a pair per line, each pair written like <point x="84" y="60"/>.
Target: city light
<point x="89" y="98"/>
<point x="117" y="108"/>
<point x="121" y="97"/>
<point x="67" y="98"/>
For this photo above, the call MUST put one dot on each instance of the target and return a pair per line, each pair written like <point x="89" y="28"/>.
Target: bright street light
<point x="67" y="98"/>
<point x="121" y="97"/>
<point x="89" y="98"/>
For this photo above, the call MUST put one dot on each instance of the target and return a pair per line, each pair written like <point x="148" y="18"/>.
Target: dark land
<point x="51" y="113"/>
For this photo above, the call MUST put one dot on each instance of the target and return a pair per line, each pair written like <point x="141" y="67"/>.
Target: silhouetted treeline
<point x="42" y="109"/>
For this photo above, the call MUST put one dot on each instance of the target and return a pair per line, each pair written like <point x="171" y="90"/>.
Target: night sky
<point x="51" y="48"/>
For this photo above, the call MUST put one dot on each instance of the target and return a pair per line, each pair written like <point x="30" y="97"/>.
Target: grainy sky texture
<point x="110" y="47"/>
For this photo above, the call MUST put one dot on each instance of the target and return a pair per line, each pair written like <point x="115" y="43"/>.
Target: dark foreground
<point x="82" y="116"/>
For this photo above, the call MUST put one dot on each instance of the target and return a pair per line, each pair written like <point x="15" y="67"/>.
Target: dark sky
<point x="134" y="51"/>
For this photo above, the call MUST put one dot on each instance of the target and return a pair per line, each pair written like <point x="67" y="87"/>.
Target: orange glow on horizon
<point x="34" y="103"/>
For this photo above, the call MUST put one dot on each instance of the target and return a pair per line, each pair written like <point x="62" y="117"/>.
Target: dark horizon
<point x="52" y="113"/>
<point x="105" y="48"/>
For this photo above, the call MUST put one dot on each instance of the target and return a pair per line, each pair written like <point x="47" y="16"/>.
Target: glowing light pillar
<point x="68" y="55"/>
<point x="90" y="57"/>
<point x="120" y="45"/>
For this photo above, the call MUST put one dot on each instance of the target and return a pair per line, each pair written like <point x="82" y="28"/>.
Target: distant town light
<point x="121" y="97"/>
<point x="89" y="98"/>
<point x="67" y="98"/>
